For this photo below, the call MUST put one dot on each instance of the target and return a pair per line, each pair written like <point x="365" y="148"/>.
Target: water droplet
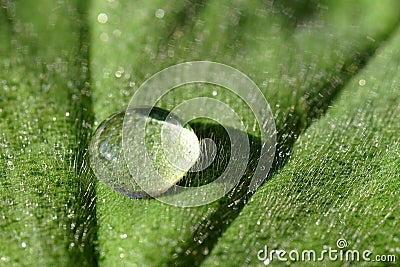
<point x="102" y="18"/>
<point x="214" y="93"/>
<point x="121" y="69"/>
<point x="118" y="74"/>
<point x="23" y="245"/>
<point x="117" y="32"/>
<point x="104" y="37"/>
<point x="172" y="147"/>
<point x="10" y="165"/>
<point x="5" y="259"/>
<point x="123" y="236"/>
<point x="160" y="13"/>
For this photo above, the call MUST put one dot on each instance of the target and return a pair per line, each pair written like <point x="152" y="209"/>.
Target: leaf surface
<point x="300" y="64"/>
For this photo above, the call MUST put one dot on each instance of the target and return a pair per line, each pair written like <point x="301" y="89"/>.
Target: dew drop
<point x="159" y="13"/>
<point x="117" y="32"/>
<point x="102" y="18"/>
<point x="104" y="37"/>
<point x="163" y="146"/>
<point x="123" y="236"/>
<point x="118" y="74"/>
<point x="5" y="259"/>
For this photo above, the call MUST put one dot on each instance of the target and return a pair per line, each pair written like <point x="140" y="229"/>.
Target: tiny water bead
<point x="172" y="147"/>
<point x="102" y="18"/>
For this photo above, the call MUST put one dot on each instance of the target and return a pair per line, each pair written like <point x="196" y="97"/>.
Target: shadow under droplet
<point x="228" y="206"/>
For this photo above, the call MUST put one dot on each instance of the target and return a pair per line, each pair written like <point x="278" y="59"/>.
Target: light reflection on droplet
<point x="160" y="13"/>
<point x="123" y="236"/>
<point x="102" y="18"/>
<point x="5" y="259"/>
<point x="118" y="74"/>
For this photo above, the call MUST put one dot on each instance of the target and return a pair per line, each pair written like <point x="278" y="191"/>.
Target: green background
<point x="329" y="70"/>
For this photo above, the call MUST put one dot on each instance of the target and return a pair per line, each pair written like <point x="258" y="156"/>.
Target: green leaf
<point x="46" y="216"/>
<point x="342" y="180"/>
<point x="67" y="65"/>
<point x="300" y="63"/>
